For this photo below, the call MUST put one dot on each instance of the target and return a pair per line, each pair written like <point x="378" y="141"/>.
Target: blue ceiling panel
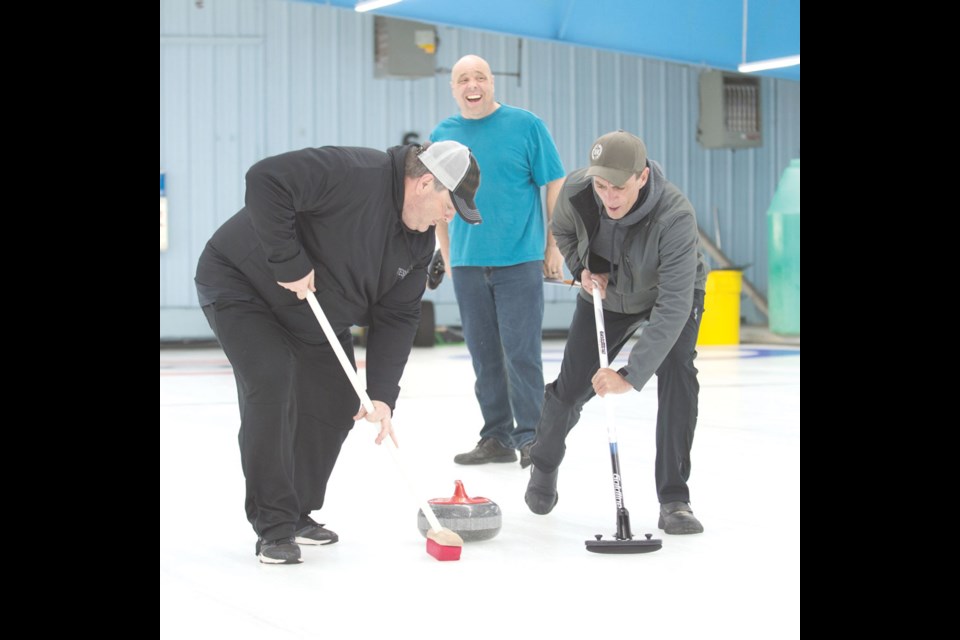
<point x="697" y="32"/>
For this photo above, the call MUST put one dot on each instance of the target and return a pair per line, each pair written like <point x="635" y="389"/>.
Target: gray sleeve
<point x="565" y="233"/>
<point x="677" y="273"/>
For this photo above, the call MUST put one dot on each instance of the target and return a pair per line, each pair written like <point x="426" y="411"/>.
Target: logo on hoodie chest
<point x="402" y="273"/>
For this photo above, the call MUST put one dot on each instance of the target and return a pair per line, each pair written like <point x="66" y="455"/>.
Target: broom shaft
<point x="602" y="344"/>
<point x="604" y="357"/>
<point x="367" y="404"/>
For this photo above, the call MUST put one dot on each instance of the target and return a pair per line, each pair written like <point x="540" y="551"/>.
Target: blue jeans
<point x="501" y="309"/>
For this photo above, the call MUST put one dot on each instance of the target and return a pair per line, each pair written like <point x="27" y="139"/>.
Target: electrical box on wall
<point x="403" y="49"/>
<point x="729" y="111"/>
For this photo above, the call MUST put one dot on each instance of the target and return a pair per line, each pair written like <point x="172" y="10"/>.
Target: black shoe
<point x="525" y="460"/>
<point x="309" y="532"/>
<point x="280" y="551"/>
<point x="541" y="495"/>
<point x="436" y="270"/>
<point x="677" y="518"/>
<point x="487" y="450"/>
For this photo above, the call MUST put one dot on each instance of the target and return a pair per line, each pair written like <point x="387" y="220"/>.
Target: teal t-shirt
<point x="517" y="156"/>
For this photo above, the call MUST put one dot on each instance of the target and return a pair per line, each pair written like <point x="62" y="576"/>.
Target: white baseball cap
<point x="456" y="169"/>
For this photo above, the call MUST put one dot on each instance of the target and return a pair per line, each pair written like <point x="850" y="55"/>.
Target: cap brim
<point x="614" y="176"/>
<point x="466" y="208"/>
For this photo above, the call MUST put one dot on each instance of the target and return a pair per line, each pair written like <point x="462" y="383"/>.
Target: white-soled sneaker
<point x="280" y="551"/>
<point x="310" y="532"/>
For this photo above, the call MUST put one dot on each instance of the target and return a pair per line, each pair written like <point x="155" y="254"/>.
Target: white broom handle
<point x="368" y="405"/>
<point x="604" y="356"/>
<point x="601" y="332"/>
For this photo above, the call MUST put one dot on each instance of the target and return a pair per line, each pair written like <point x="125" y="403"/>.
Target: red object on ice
<point x="460" y="497"/>
<point x="443" y="552"/>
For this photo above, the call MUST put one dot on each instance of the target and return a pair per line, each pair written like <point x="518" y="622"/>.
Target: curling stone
<point x="471" y="518"/>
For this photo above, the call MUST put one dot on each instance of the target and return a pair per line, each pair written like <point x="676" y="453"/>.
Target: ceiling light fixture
<point x="761" y="65"/>
<point x="772" y="63"/>
<point x="370" y="5"/>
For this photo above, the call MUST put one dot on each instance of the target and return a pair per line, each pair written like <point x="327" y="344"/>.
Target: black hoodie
<point x="335" y="210"/>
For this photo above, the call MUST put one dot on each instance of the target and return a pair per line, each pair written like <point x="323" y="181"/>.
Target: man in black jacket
<point x="355" y="226"/>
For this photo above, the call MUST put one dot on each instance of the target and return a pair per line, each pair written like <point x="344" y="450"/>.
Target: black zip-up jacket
<point x="336" y="210"/>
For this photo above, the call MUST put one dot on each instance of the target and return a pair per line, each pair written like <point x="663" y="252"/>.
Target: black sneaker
<point x="309" y="532"/>
<point x="436" y="270"/>
<point x="280" y="551"/>
<point x="677" y="518"/>
<point x="487" y="450"/>
<point x="525" y="460"/>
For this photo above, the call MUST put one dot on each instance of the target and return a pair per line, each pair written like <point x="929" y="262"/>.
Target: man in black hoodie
<point x="355" y="226"/>
<point x="628" y="232"/>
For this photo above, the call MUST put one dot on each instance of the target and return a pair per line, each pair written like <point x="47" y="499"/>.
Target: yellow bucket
<point x="721" y="308"/>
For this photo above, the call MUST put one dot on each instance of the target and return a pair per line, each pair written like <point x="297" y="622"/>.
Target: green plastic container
<point x="783" y="259"/>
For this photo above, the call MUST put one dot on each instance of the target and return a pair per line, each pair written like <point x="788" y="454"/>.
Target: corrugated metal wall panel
<point x="240" y="81"/>
<point x="210" y="71"/>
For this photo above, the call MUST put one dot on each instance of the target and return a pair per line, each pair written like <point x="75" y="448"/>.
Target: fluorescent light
<point x="370" y="5"/>
<point x="772" y="63"/>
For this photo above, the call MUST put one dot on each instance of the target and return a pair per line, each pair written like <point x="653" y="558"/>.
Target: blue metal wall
<point x="244" y="79"/>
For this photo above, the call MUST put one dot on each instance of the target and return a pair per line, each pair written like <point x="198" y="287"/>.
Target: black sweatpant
<point x="677" y="388"/>
<point x="296" y="409"/>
